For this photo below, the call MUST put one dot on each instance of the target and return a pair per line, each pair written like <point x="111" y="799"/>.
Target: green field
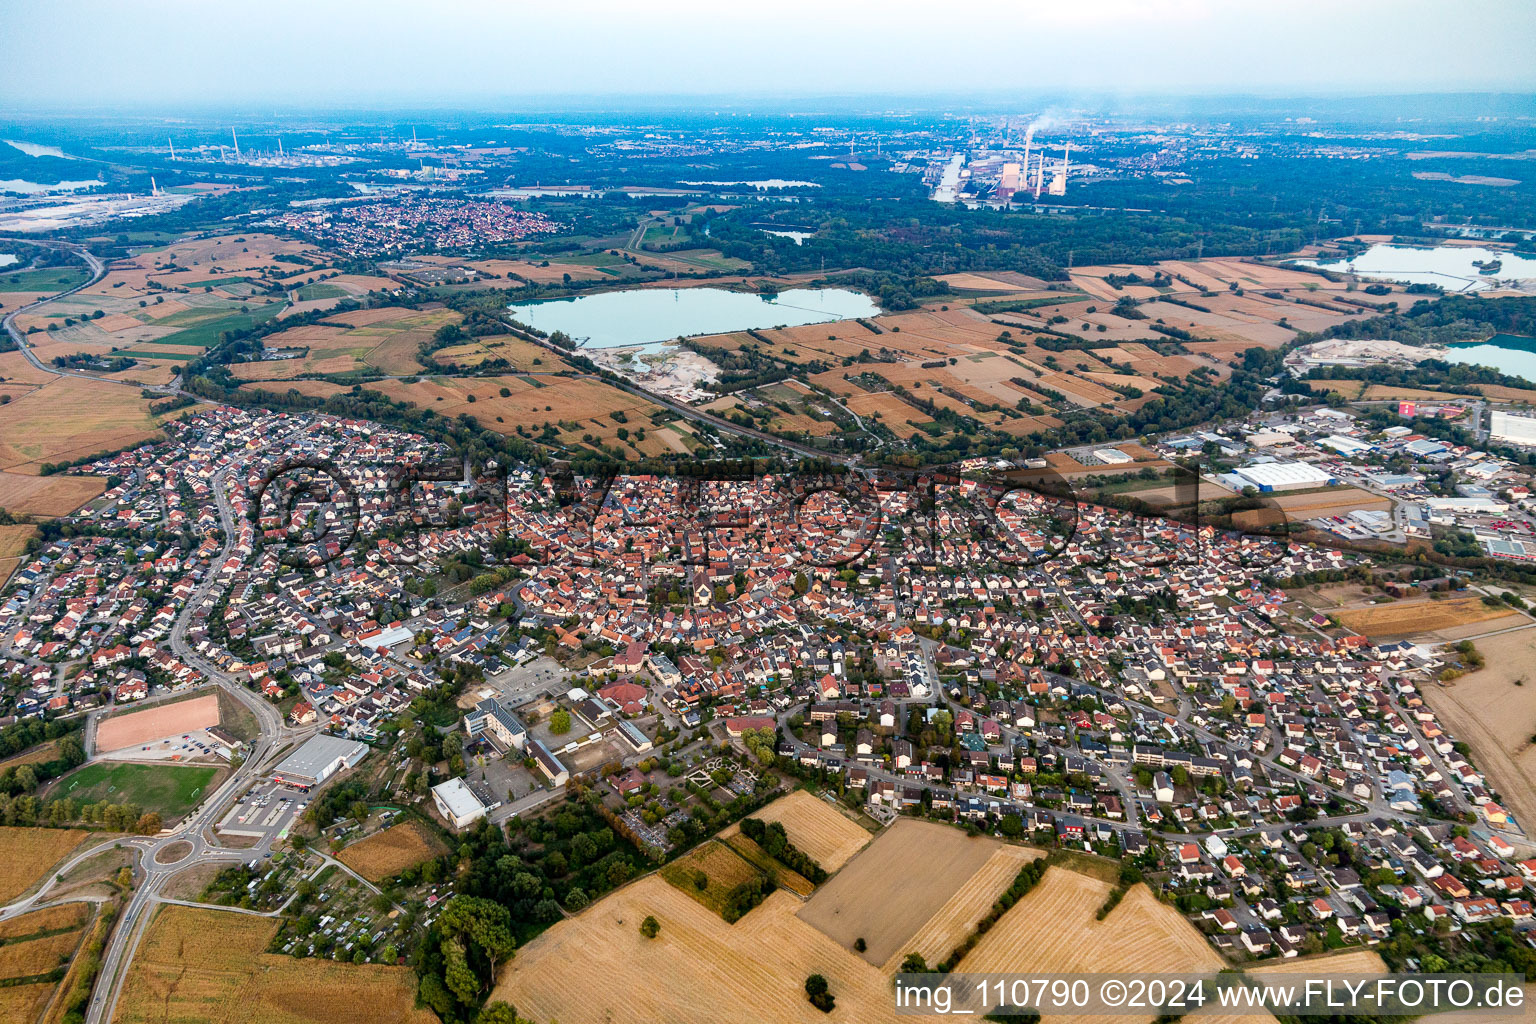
<point x="215" y="282"/>
<point x="169" y="789"/>
<point x="144" y="353"/>
<point x="206" y="333"/>
<point x="322" y="290"/>
<point x="50" y="279"/>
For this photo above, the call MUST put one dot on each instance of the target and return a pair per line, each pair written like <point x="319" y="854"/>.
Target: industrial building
<point x="1506" y="426"/>
<point x="1281" y="476"/>
<point x="457" y="803"/>
<point x="317" y="760"/>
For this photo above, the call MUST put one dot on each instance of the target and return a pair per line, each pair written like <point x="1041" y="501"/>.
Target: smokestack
<point x="279" y="145"/>
<point x="237" y="143"/>
<point x="154" y="189"/>
<point x="172" y="144"/>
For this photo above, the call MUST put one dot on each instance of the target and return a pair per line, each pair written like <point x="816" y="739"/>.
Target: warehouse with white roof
<point x="1281" y="476"/>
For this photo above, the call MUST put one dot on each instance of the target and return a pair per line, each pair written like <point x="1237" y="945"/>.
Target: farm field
<point x="572" y="407"/>
<point x="170" y="790"/>
<point x="1497" y="718"/>
<point x="1332" y="502"/>
<point x="13" y="540"/>
<point x="1053" y="930"/>
<point x="821" y="831"/>
<point x="782" y="876"/>
<point x="1402" y="618"/>
<point x="895" y="885"/>
<point x="519" y="354"/>
<point x="385" y="339"/>
<point x="28" y="853"/>
<point x="391" y="851"/>
<point x="722" y="866"/>
<point x="70" y="418"/>
<point x="155" y="722"/>
<point x="753" y="970"/>
<point x="949" y="926"/>
<point x="178" y="975"/>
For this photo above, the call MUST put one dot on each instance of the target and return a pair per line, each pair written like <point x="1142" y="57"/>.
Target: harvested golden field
<point x="13" y="540"/>
<point x="1332" y="502"/>
<point x="574" y="407"/>
<point x="1487" y="710"/>
<point x="65" y="915"/>
<point x="519" y="354"/>
<point x="896" y="885"/>
<point x="178" y="975"/>
<point x="723" y="868"/>
<point x="1418" y="616"/>
<point x="313" y="388"/>
<point x="782" y="876"/>
<point x="28" y="853"/>
<point x="30" y="957"/>
<point x="956" y="919"/>
<point x="821" y="831"/>
<point x="886" y="408"/>
<point x="386" y="339"/>
<point x="698" y="969"/>
<point x="25" y="1002"/>
<point x="391" y="851"/>
<point x="1053" y="930"/>
<point x="73" y="417"/>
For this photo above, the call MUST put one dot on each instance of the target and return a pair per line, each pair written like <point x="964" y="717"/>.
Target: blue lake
<point x="1507" y="353"/>
<point x="1452" y="267"/>
<point x="641" y="316"/>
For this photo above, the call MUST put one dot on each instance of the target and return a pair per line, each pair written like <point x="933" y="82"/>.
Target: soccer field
<point x="169" y="789"/>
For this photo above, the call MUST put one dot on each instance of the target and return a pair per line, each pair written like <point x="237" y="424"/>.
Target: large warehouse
<point x="317" y="760"/>
<point x="1503" y="426"/>
<point x="1281" y="476"/>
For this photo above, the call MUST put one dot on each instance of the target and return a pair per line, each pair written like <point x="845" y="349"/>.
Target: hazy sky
<point x="152" y="53"/>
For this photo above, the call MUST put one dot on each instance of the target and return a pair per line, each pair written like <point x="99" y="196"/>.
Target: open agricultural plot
<point x="1333" y="501"/>
<point x="28" y="957"/>
<point x="895" y="885"/>
<point x="13" y="539"/>
<point x="723" y="869"/>
<point x="170" y="790"/>
<point x="385" y="339"/>
<point x="573" y="407"/>
<point x="178" y="975"/>
<point x="28" y="853"/>
<point x="131" y="728"/>
<point x="777" y="872"/>
<point x="58" y="495"/>
<point x="1400" y="618"/>
<point x="1497" y="718"/>
<point x="698" y="969"/>
<point x="958" y="916"/>
<point x="1053" y="930"/>
<point x="519" y="354"/>
<point x="63" y="916"/>
<point x="818" y="829"/>
<point x="71" y="418"/>
<point x="391" y="851"/>
<point x="25" y="1002"/>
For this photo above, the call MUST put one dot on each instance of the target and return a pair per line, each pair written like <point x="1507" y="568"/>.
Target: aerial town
<point x="539" y="517"/>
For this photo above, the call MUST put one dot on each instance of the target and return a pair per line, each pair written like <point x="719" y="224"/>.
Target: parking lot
<point x="197" y="745"/>
<point x="265" y="811"/>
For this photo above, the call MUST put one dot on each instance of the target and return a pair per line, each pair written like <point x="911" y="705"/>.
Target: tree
<point x="650" y="927"/>
<point x="820" y="996"/>
<point x="471" y="922"/>
<point x="560" y="722"/>
<point x="149" y="823"/>
<point x="498" y="1013"/>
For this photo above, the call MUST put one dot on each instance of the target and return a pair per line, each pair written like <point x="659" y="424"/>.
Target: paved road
<point x="98" y="271"/>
